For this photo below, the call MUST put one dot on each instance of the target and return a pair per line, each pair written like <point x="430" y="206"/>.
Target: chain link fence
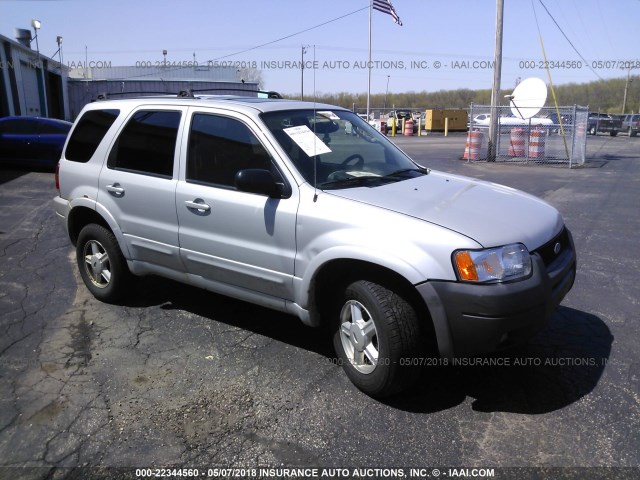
<point x="552" y="137"/>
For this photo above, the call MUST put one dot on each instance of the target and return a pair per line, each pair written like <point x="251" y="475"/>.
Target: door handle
<point x="197" y="204"/>
<point x="115" y="189"/>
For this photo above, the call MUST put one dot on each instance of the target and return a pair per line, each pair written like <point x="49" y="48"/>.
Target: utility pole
<point x="626" y="88"/>
<point x="494" y="127"/>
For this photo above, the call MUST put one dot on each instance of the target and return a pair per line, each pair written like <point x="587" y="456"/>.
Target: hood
<point x="489" y="213"/>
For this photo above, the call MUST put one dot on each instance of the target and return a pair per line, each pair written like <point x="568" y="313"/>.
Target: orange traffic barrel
<point x="408" y="127"/>
<point x="516" y="142"/>
<point x="536" y="143"/>
<point x="472" y="148"/>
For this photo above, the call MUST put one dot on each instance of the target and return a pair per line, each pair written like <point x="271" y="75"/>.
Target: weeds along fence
<point x="552" y="137"/>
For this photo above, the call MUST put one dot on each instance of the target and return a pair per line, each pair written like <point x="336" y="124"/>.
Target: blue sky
<point x="442" y="45"/>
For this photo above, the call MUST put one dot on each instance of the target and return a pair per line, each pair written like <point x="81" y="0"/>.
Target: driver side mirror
<point x="260" y="181"/>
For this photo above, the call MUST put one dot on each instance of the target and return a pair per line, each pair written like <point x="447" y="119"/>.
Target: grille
<point x="548" y="250"/>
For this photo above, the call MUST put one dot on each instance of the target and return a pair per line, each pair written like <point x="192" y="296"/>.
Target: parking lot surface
<point x="181" y="377"/>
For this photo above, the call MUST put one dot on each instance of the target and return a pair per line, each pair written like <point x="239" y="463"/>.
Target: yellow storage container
<point x="435" y="119"/>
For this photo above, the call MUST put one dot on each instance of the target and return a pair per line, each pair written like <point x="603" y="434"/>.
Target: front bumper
<point x="474" y="319"/>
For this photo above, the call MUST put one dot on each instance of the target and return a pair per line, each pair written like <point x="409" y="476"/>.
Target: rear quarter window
<point x="89" y="132"/>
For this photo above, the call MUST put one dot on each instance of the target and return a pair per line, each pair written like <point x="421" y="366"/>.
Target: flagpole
<point x="369" y="64"/>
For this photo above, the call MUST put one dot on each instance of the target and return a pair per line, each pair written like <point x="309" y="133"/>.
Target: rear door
<point x="138" y="182"/>
<point x="227" y="236"/>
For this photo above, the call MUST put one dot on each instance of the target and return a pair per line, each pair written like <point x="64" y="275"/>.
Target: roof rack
<point x="188" y="93"/>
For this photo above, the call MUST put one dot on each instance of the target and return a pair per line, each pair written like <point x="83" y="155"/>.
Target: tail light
<point x="58" y="177"/>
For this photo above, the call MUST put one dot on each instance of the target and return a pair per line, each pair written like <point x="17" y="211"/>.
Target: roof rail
<point x="188" y="93"/>
<point x="269" y="93"/>
<point x="106" y="95"/>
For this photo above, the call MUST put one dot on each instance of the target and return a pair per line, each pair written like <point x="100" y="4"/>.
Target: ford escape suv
<point x="267" y="201"/>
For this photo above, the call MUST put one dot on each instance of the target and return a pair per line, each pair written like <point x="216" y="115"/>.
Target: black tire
<point x="101" y="263"/>
<point x="632" y="132"/>
<point x="613" y="133"/>
<point x="377" y="361"/>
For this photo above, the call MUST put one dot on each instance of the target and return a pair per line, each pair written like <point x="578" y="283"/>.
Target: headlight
<point x="493" y="265"/>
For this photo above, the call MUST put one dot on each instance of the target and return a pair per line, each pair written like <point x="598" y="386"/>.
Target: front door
<point x="227" y="236"/>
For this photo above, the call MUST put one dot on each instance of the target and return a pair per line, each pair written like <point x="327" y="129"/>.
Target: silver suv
<point x="267" y="201"/>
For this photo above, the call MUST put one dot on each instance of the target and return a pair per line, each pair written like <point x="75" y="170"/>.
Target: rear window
<point x="88" y="134"/>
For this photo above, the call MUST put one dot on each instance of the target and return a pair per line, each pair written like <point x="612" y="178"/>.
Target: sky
<point x="442" y="45"/>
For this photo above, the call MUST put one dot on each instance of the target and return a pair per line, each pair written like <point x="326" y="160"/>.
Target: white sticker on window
<point x="307" y="140"/>
<point x="329" y="114"/>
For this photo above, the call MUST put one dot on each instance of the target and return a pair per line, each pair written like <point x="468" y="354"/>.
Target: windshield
<point x="338" y="149"/>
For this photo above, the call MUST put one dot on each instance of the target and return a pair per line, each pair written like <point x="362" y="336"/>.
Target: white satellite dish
<point x="528" y="98"/>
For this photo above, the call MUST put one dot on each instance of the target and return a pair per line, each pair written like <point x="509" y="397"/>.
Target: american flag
<point x="385" y="6"/>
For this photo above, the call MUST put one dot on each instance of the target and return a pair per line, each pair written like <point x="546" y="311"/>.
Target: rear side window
<point x="219" y="147"/>
<point x="88" y="134"/>
<point x="147" y="143"/>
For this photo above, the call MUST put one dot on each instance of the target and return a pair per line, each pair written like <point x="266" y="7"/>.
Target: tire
<point x="632" y="132"/>
<point x="375" y="334"/>
<point x="101" y="263"/>
<point x="613" y="133"/>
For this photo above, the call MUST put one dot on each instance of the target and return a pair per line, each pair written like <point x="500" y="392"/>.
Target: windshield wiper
<point x="350" y="181"/>
<point x="424" y="171"/>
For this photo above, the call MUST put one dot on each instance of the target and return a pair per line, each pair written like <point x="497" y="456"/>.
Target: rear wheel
<point x="102" y="265"/>
<point x="375" y="337"/>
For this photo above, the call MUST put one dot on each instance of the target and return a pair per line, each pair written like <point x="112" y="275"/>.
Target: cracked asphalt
<point x="181" y="377"/>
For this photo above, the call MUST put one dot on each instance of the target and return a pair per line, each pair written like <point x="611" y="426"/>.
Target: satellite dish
<point x="528" y="98"/>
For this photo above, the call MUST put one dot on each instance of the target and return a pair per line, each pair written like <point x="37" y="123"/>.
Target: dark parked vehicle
<point x="32" y="141"/>
<point x="603" y="122"/>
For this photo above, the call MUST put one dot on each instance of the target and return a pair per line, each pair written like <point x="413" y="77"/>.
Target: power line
<point x="570" y="43"/>
<point x="264" y="44"/>
<point x="291" y="35"/>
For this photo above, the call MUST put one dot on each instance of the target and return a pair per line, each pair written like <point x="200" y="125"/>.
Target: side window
<point x="147" y="144"/>
<point x="89" y="132"/>
<point x="219" y="147"/>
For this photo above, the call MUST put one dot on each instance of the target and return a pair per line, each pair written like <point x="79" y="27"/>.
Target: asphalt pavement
<point x="179" y="377"/>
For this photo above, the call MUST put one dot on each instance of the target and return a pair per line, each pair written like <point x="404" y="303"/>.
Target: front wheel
<point x="102" y="265"/>
<point x="376" y="336"/>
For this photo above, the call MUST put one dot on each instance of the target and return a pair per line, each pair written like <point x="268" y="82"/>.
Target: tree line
<point x="601" y="95"/>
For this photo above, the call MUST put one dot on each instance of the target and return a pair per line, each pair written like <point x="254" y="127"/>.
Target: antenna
<point x="315" y="157"/>
<point x="528" y="98"/>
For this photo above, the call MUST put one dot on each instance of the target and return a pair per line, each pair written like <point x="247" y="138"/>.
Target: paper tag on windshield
<point x="330" y="115"/>
<point x="307" y="140"/>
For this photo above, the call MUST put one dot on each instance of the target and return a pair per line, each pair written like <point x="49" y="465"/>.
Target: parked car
<point x="603" y="122"/>
<point x="630" y="124"/>
<point x="32" y="141"/>
<point x="566" y="119"/>
<point x="268" y="201"/>
<point x="398" y="116"/>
